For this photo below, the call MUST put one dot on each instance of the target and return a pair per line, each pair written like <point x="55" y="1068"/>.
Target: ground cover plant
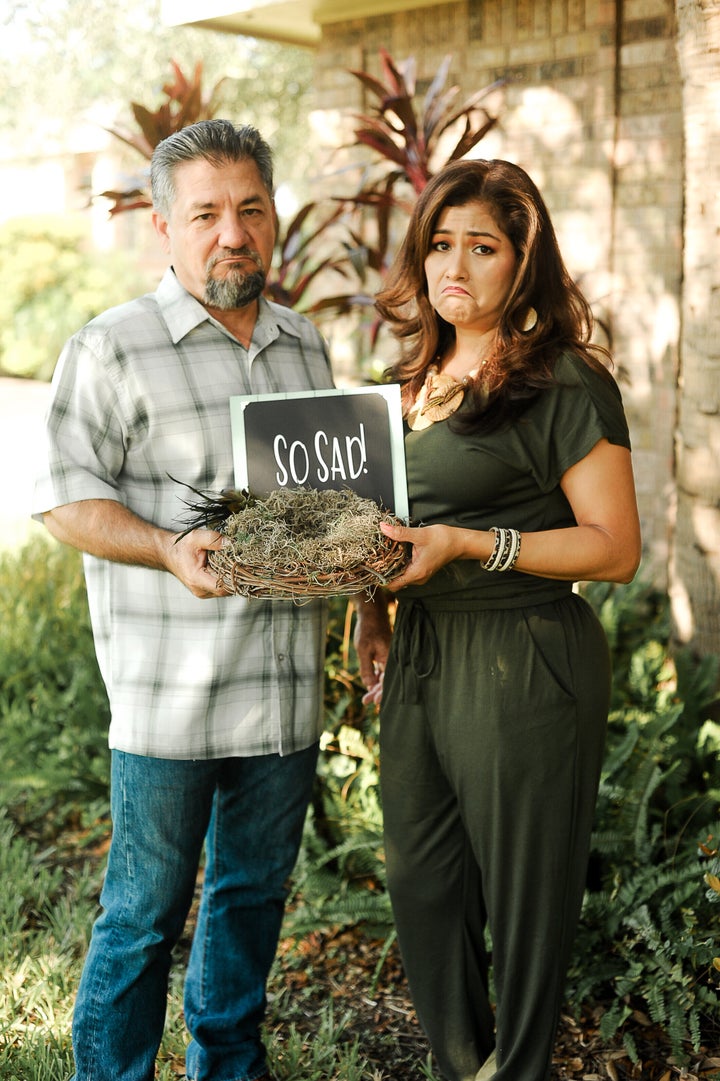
<point x="642" y="996"/>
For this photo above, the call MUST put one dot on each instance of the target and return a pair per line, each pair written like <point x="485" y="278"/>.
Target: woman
<point x="496" y="693"/>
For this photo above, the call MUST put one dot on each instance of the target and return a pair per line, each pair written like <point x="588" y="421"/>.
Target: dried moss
<point x="304" y="542"/>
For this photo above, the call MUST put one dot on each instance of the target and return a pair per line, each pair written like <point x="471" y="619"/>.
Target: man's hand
<point x="108" y="530"/>
<point x="187" y="559"/>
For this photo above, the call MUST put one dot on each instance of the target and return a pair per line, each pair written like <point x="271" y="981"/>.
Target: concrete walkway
<point x="22" y="408"/>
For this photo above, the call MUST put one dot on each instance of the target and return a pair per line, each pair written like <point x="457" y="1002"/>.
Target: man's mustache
<point x="228" y="253"/>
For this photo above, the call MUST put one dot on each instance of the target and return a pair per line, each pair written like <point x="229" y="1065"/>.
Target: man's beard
<point x="238" y="287"/>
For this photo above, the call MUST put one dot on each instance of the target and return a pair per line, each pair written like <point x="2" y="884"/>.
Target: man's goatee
<point x="234" y="292"/>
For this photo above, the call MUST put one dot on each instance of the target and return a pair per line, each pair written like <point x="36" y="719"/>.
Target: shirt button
<point x="282" y="656"/>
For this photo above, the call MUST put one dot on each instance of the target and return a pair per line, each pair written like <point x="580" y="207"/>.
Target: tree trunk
<point x="694" y="571"/>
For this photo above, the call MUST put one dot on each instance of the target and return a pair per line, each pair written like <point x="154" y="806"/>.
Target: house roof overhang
<point x="293" y="22"/>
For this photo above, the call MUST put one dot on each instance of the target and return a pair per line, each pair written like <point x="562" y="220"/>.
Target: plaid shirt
<point x="139" y="394"/>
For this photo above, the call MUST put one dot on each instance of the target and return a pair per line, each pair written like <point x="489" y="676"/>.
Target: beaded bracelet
<point x="505" y="551"/>
<point x="513" y="553"/>
<point x="493" y="561"/>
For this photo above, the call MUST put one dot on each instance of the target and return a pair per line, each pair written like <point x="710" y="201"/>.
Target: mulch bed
<point x="341" y="967"/>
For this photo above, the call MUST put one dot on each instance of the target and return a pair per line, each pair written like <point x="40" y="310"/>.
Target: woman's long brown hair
<point x="521" y="363"/>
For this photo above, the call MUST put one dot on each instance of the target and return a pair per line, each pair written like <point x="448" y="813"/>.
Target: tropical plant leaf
<point x="401" y="106"/>
<point x="185" y="105"/>
<point x="470" y="138"/>
<point x="370" y="82"/>
<point x="375" y="135"/>
<point x="434" y="94"/>
<point x="435" y="118"/>
<point x="401" y="75"/>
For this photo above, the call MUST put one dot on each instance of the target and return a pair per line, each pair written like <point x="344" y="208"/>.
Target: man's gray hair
<point x="216" y="141"/>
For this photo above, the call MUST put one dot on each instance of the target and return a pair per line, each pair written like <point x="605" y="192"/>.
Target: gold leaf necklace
<point x="439" y="397"/>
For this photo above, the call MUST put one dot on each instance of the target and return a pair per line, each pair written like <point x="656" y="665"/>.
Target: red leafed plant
<point x="409" y="144"/>
<point x="398" y="135"/>
<point x="185" y="105"/>
<point x="289" y="281"/>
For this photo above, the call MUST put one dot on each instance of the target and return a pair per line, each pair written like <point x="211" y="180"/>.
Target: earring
<point x="530" y="320"/>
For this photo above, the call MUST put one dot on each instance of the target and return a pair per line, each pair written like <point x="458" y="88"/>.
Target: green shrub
<point x="54" y="713"/>
<point x="340" y="877"/>
<point x="52" y="286"/>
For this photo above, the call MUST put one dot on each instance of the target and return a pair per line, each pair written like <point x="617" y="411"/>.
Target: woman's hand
<point x="432" y="547"/>
<point x="605" y="545"/>
<point x="373" y="695"/>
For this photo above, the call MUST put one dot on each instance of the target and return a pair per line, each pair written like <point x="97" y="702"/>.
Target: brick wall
<point x="592" y="110"/>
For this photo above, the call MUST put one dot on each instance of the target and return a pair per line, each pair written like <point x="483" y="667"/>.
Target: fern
<point x="650" y="930"/>
<point x="660" y="946"/>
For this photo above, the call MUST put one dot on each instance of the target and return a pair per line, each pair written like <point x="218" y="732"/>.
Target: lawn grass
<point x="47" y="906"/>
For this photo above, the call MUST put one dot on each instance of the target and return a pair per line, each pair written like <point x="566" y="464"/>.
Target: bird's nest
<point x="300" y="543"/>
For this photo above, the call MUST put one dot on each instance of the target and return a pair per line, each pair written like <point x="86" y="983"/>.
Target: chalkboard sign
<point x="322" y="439"/>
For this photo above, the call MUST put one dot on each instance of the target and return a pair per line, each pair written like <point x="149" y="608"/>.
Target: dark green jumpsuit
<point x="493" y="724"/>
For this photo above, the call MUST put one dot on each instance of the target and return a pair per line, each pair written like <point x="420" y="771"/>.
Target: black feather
<point x="212" y="509"/>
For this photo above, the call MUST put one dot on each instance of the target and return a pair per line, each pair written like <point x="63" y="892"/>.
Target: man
<point x="215" y="701"/>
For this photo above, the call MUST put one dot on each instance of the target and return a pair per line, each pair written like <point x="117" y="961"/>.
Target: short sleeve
<point x="84" y="440"/>
<point x="571" y="417"/>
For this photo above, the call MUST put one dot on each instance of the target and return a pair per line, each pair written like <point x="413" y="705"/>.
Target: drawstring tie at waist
<point x="414" y="648"/>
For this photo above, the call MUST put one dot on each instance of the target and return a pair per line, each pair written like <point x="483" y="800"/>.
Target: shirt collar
<point x="182" y="313"/>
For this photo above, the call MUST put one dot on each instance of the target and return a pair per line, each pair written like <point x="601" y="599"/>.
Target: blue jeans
<point x="249" y="812"/>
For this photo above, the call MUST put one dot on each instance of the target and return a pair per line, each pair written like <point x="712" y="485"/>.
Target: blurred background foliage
<point x="72" y="62"/>
<point x="53" y="283"/>
<point x="67" y="71"/>
<point x="332" y="252"/>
